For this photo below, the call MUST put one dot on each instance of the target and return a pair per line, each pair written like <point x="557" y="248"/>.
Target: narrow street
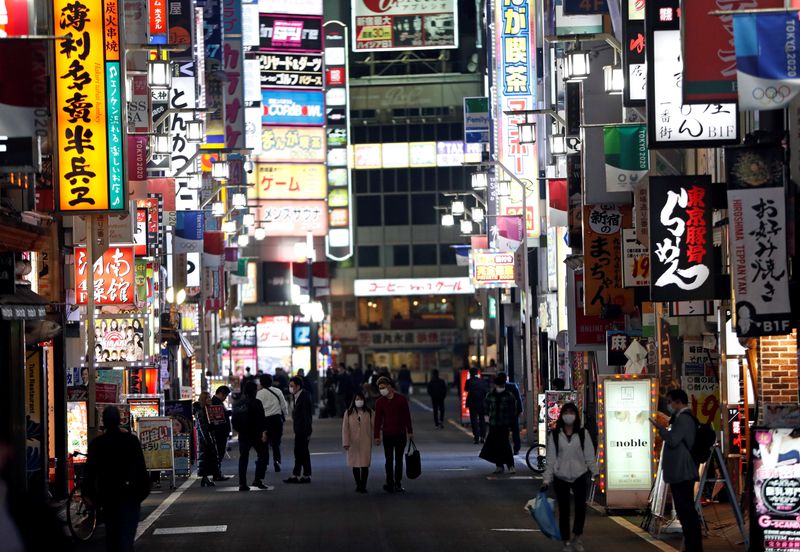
<point x="455" y="505"/>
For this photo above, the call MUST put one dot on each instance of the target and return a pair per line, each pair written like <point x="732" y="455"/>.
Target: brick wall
<point x="779" y="371"/>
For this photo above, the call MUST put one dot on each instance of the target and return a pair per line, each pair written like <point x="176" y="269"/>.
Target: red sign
<point x="106" y="393"/>
<point x="137" y="157"/>
<point x="335" y="76"/>
<point x="589" y="330"/>
<point x="113" y="276"/>
<point x="158" y="17"/>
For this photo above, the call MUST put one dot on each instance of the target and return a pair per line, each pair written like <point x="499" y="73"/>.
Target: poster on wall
<point x="554" y="400"/>
<point x="775" y="505"/>
<point x="628" y="438"/>
<point x="703" y="398"/>
<point x="124" y="415"/>
<point x="77" y="428"/>
<point x="181" y="414"/>
<point x="155" y="435"/>
<point x="404" y="25"/>
<point x="118" y="340"/>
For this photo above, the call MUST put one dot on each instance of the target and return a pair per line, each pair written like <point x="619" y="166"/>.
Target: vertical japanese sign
<point x="635" y="259"/>
<point x="339" y="245"/>
<point x="159" y="26"/>
<point x="709" y="55"/>
<point x="215" y="100"/>
<point x="515" y="90"/>
<point x="757" y="213"/>
<point x="113" y="276"/>
<point x="181" y="96"/>
<point x="89" y="107"/>
<point x="233" y="66"/>
<point x="681" y="243"/>
<point x="602" y="239"/>
<point x="670" y="122"/>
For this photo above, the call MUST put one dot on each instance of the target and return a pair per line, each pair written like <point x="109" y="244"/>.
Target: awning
<point x="23" y="305"/>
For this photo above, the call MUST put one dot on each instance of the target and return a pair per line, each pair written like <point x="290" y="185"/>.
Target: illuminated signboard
<point x="294" y="218"/>
<point x="295" y="33"/>
<point x="291" y="181"/>
<point x="368" y="156"/>
<point x="413" y="286"/>
<point x="395" y="155"/>
<point x="490" y="268"/>
<point x="113" y="276"/>
<point x="292" y="107"/>
<point x="274" y="331"/>
<point x="119" y="341"/>
<point x="422" y="154"/>
<point x="404" y="155"/>
<point x="404" y="25"/>
<point x="88" y="99"/>
<point x="302" y="7"/>
<point x="290" y="70"/>
<point x="292" y="145"/>
<point x="634" y="60"/>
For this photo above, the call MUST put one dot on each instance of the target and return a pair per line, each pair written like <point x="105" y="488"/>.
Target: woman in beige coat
<point x="357" y="439"/>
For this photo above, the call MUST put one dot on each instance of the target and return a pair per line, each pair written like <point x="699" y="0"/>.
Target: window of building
<point x="424" y="255"/>
<point x="368" y="210"/>
<point x="370" y="313"/>
<point x="447" y="255"/>
<point x="349" y="310"/>
<point x="401" y="255"/>
<point x="422" y="209"/>
<point x="369" y="256"/>
<point x="417" y="177"/>
<point x="396" y="209"/>
<point x="389" y="180"/>
<point x="361" y="180"/>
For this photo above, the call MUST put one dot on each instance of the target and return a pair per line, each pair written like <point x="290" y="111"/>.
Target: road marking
<point x="641" y="533"/>
<point x="190" y="530"/>
<point x="514" y="530"/>
<point x="252" y="489"/>
<point x="422" y="405"/>
<point x="459" y="427"/>
<point x="158" y="512"/>
<point x="456" y="469"/>
<point x="325" y="453"/>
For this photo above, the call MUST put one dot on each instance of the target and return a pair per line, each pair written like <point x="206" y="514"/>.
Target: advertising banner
<point x="88" y="99"/>
<point x="671" y="123"/>
<point x="77" y="427"/>
<point x="292" y="145"/>
<point x="307" y="7"/>
<point x="635" y="261"/>
<point x="681" y="242"/>
<point x="627" y="158"/>
<point x="404" y="25"/>
<point x="294" y="218"/>
<point x="113" y="276"/>
<point x="704" y="398"/>
<point x="290" y="70"/>
<point x="233" y="66"/>
<point x="554" y="400"/>
<point x="710" y="60"/>
<point x="292" y="107"/>
<point x="243" y="335"/>
<point x="758" y="232"/>
<point x="477" y="120"/>
<point x="137" y="157"/>
<point x="155" y="435"/>
<point x="274" y="331"/>
<point x="602" y="260"/>
<point x="575" y="24"/>
<point x="491" y="268"/>
<point x="182" y="428"/>
<point x="586" y="333"/>
<point x="118" y="341"/>
<point x="628" y="438"/>
<point x="775" y="461"/>
<point x="413" y="286"/>
<point x="507" y="233"/>
<point x="291" y="181"/>
<point x="188" y="237"/>
<point x="290" y="33"/>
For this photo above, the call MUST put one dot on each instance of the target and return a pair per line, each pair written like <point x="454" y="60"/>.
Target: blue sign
<point x="188" y="237"/>
<point x="477" y="121"/>
<point x="293" y="107"/>
<point x="301" y="335"/>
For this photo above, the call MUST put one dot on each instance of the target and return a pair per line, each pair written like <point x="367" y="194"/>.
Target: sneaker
<point x="499" y="471"/>
<point x="512" y="470"/>
<point x="259" y="484"/>
<point x="292" y="480"/>
<point x="567" y="547"/>
<point x="577" y="544"/>
<point x="305" y="480"/>
<point x="388" y="488"/>
<point x="277" y="466"/>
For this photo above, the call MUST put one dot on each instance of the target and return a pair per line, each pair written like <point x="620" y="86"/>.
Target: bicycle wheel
<point x="81" y="518"/>
<point x="536" y="458"/>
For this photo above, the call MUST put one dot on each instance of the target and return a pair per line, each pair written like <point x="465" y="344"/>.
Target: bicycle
<point x="81" y="514"/>
<point x="536" y="457"/>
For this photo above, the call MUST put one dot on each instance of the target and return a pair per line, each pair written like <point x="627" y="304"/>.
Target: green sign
<point x="627" y="158"/>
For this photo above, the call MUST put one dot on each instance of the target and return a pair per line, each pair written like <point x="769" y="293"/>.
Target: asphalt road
<point x="456" y="505"/>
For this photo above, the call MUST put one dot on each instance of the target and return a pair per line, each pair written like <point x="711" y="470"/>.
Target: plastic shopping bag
<point x="542" y="511"/>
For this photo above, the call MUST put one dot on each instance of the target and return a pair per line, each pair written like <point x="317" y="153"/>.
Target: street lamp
<point x="577" y="66"/>
<point x="477" y="214"/>
<point x="457" y="207"/>
<point x="479" y="180"/>
<point x="218" y="209"/>
<point x="229" y="227"/>
<point x="158" y="74"/>
<point x="558" y="144"/>
<point x="160" y="143"/>
<point x="248" y="220"/>
<point x="243" y="240"/>
<point x="527" y="132"/>
<point x="613" y="80"/>
<point x="466" y="226"/>
<point x="176" y="298"/>
<point x="503" y="188"/>
<point x="477" y="325"/>
<point x="260" y="233"/>
<point x="194" y="131"/>
<point x="219" y="170"/>
<point x="448" y="220"/>
<point x="239" y="200"/>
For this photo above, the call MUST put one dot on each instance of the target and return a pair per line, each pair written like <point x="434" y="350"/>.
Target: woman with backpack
<point x="571" y="464"/>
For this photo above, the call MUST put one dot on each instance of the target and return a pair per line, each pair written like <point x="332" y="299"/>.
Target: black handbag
<point x="413" y="461"/>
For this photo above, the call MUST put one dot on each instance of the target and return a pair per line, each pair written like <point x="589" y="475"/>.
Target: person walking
<point x="501" y="408"/>
<point x="221" y="430"/>
<point x="514" y="389"/>
<point x="571" y="463"/>
<point x="116" y="479"/>
<point x="207" y="461"/>
<point x="302" y="417"/>
<point x="357" y="439"/>
<point x="344" y="390"/>
<point x="437" y="390"/>
<point x="275" y="411"/>
<point x="404" y="380"/>
<point x="476" y="390"/>
<point x="393" y="421"/>
<point x="680" y="469"/>
<point x="249" y="421"/>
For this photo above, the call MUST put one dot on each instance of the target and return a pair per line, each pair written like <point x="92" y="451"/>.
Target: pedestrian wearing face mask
<point x="502" y="408"/>
<point x="357" y="439"/>
<point x="301" y="418"/>
<point x="571" y="464"/>
<point x="393" y="421"/>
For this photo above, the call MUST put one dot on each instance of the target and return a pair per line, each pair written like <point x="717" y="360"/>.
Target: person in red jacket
<point x="393" y="418"/>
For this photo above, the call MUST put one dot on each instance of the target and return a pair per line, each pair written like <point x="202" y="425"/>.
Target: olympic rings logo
<point x="772" y="94"/>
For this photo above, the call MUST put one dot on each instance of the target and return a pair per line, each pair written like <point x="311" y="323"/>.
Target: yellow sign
<point x="292" y="145"/>
<point x="491" y="268"/>
<point x="88" y="107"/>
<point x="155" y="435"/>
<point x="291" y="181"/>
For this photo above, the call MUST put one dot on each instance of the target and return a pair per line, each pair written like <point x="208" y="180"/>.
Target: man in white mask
<point x="393" y="419"/>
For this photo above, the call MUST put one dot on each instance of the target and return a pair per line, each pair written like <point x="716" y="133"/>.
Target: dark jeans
<point x="221" y="439"/>
<point x="274" y="436"/>
<point x="438" y="411"/>
<point x="477" y="418"/>
<point x="515" y="434"/>
<point x="121" y="521"/>
<point x="393" y="448"/>
<point x="361" y="475"/>
<point x="245" y="443"/>
<point x="562" y="489"/>
<point x="683" y="499"/>
<point x="404" y="387"/>
<point x="302" y="457"/>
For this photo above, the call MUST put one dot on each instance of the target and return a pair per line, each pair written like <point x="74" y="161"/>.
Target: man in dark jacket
<point x="221" y="430"/>
<point x="249" y="421"/>
<point x="514" y="390"/>
<point x="476" y="390"/>
<point x="404" y="379"/>
<point x="344" y="390"/>
<point x="116" y="479"/>
<point x="302" y="416"/>
<point x="437" y="389"/>
<point x="393" y="421"/>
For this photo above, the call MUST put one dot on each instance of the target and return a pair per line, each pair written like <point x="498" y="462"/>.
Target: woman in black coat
<point x="207" y="462"/>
